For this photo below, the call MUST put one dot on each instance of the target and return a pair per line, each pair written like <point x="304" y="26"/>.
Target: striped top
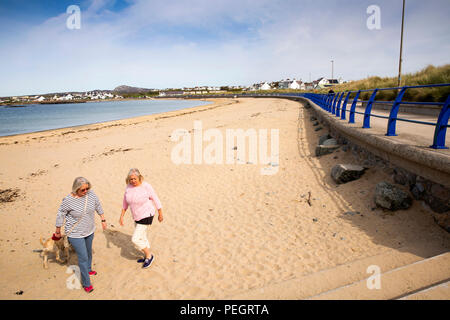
<point x="72" y="209"/>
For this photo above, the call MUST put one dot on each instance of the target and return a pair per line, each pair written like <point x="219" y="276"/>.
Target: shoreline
<point x="111" y="122"/>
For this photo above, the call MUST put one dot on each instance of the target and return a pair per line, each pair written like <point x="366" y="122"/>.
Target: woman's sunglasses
<point x="83" y="190"/>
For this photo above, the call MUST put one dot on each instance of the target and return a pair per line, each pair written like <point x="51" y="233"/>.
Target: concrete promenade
<point x="419" y="135"/>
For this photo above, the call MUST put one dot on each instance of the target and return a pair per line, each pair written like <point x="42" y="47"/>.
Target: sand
<point x="227" y="228"/>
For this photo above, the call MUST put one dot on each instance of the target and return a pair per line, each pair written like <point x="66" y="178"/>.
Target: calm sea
<point x="38" y="117"/>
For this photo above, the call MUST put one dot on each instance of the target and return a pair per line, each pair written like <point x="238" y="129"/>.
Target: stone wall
<point x="435" y="196"/>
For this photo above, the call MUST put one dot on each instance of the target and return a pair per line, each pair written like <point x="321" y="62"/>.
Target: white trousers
<point x="140" y="236"/>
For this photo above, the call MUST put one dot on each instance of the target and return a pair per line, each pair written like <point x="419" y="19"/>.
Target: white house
<point x="41" y="98"/>
<point x="295" y="84"/>
<point x="324" y="83"/>
<point x="265" y="86"/>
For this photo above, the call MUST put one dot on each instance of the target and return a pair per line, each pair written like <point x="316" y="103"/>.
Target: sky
<point x="174" y="44"/>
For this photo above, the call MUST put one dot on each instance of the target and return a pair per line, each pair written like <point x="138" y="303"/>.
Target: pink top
<point x="138" y="199"/>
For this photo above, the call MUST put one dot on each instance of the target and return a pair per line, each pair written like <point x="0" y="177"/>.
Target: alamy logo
<point x="190" y="149"/>
<point x="374" y="20"/>
<point x="374" y="281"/>
<point x="73" y="282"/>
<point x="74" y="20"/>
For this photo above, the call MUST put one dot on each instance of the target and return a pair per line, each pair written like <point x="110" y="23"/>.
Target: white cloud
<point x="160" y="44"/>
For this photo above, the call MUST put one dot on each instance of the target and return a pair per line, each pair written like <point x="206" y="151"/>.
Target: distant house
<point x="284" y="84"/>
<point x="171" y="93"/>
<point x="41" y="98"/>
<point x="333" y="82"/>
<point x="324" y="83"/>
<point x="265" y="86"/>
<point x="320" y="83"/>
<point x="307" y="86"/>
<point x="295" y="84"/>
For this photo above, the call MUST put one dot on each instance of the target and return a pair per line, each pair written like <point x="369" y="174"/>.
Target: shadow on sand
<point x="122" y="241"/>
<point x="411" y="230"/>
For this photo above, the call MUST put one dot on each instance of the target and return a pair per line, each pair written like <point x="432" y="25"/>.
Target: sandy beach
<point x="227" y="229"/>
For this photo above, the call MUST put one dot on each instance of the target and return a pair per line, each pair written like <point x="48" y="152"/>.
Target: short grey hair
<point x="136" y="172"/>
<point x="78" y="182"/>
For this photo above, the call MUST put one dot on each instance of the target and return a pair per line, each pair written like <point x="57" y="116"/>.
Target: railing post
<point x="441" y="126"/>
<point x="338" y="107"/>
<point x="392" y="122"/>
<point x="345" y="105"/>
<point x="333" y="96"/>
<point x="366" y="123"/>
<point x="352" y="109"/>
<point x="333" y="103"/>
<point x="333" y="108"/>
<point x="330" y="99"/>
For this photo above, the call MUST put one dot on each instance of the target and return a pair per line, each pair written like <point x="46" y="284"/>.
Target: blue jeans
<point x="83" y="248"/>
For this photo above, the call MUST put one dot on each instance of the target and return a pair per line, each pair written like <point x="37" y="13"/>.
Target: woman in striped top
<point x="78" y="210"/>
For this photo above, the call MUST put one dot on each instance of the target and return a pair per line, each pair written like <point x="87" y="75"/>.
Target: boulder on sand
<point x="390" y="197"/>
<point x="343" y="173"/>
<point x="326" y="147"/>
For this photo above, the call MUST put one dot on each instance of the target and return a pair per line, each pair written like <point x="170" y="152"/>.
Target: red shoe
<point x="92" y="273"/>
<point x="88" y="289"/>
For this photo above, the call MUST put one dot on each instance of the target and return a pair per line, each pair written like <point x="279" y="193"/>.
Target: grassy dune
<point x="428" y="75"/>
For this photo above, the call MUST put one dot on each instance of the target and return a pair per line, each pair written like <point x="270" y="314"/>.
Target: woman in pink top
<point x="141" y="199"/>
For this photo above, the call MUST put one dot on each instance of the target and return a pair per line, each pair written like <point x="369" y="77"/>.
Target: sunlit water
<point x="39" y="117"/>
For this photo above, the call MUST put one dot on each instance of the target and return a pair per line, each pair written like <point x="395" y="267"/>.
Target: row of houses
<point x="102" y="95"/>
<point x="91" y="95"/>
<point x="282" y="84"/>
<point x="200" y="90"/>
<point x="296" y="84"/>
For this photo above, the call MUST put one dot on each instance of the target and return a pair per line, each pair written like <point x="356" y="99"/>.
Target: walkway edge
<point x="425" y="162"/>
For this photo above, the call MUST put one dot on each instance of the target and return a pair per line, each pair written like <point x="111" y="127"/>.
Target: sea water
<point x="38" y="117"/>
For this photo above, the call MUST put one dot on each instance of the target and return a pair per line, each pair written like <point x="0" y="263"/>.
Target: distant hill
<point x="128" y="89"/>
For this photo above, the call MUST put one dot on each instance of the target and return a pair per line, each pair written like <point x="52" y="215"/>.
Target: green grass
<point x="428" y="75"/>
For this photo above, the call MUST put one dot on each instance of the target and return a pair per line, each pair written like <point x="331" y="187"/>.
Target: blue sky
<point x="172" y="44"/>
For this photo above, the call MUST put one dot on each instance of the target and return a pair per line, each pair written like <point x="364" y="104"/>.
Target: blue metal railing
<point x="331" y="102"/>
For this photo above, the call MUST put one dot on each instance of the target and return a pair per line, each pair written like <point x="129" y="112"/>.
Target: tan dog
<point x="54" y="246"/>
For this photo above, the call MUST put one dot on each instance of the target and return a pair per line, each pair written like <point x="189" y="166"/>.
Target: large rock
<point x="343" y="173"/>
<point x="323" y="150"/>
<point x="323" y="138"/>
<point x="390" y="197"/>
<point x="439" y="198"/>
<point x="326" y="146"/>
<point x="330" y="142"/>
<point x="435" y="195"/>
